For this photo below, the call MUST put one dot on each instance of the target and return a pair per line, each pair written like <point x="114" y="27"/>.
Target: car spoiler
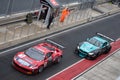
<point x="54" y="43"/>
<point x="106" y="37"/>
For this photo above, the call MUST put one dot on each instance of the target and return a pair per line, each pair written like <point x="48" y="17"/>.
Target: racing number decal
<point x="54" y="2"/>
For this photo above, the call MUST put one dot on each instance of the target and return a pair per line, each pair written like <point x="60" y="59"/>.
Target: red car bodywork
<point x="28" y="65"/>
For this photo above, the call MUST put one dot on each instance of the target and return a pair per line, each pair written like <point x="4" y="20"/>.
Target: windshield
<point x="35" y="54"/>
<point x="95" y="42"/>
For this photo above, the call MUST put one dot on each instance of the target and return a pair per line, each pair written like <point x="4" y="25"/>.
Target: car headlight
<point x="33" y="66"/>
<point x="78" y="47"/>
<point x="16" y="58"/>
<point x="90" y="53"/>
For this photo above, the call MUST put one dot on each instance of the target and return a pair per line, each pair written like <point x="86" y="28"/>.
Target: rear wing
<point x="106" y="37"/>
<point x="54" y="43"/>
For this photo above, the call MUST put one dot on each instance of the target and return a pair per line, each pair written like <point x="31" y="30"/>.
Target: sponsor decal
<point x="23" y="62"/>
<point x="28" y="60"/>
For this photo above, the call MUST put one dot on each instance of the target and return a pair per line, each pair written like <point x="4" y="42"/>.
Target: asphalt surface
<point x="69" y="39"/>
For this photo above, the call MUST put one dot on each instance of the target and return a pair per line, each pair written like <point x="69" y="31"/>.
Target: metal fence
<point x="102" y="1"/>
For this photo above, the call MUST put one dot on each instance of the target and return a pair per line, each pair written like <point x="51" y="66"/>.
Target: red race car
<point x="36" y="58"/>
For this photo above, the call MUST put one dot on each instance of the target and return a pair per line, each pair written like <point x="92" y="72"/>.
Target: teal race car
<point x="93" y="47"/>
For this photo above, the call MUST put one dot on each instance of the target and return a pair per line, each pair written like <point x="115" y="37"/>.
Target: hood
<point x="25" y="60"/>
<point x="87" y="47"/>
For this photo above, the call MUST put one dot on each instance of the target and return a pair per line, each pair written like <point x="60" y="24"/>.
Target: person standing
<point x="64" y="14"/>
<point x="50" y="20"/>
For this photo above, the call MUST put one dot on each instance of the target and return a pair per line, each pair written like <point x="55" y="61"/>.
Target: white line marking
<point x="59" y="33"/>
<point x="118" y="39"/>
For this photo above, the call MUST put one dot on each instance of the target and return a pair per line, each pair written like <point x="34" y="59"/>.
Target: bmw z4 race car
<point x="36" y="58"/>
<point x="93" y="47"/>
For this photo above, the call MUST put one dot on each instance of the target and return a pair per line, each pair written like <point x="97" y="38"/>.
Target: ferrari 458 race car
<point x="94" y="46"/>
<point x="36" y="58"/>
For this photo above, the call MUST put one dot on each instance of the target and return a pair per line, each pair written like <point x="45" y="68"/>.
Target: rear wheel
<point x="95" y="56"/>
<point x="57" y="59"/>
<point x="107" y="50"/>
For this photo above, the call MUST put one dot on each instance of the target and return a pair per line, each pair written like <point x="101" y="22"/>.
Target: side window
<point x="105" y="44"/>
<point x="49" y="54"/>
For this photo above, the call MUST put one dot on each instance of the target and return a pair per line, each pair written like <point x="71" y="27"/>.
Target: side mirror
<point x="57" y="50"/>
<point x="52" y="52"/>
<point x="45" y="58"/>
<point x="88" y="39"/>
<point x="103" y="46"/>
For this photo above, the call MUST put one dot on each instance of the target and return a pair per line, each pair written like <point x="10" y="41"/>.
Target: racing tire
<point x="57" y="59"/>
<point x="108" y="49"/>
<point x="40" y="69"/>
<point x="95" y="56"/>
<point x="76" y="51"/>
<point x="92" y="58"/>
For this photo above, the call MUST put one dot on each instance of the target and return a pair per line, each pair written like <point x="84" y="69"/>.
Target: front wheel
<point x="76" y="51"/>
<point x="40" y="69"/>
<point x="92" y="57"/>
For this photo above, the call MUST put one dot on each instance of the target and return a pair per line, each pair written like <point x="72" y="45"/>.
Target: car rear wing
<point x="54" y="43"/>
<point x="106" y="37"/>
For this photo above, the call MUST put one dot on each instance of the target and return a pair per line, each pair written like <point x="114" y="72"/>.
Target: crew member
<point x="64" y="14"/>
<point x="50" y="20"/>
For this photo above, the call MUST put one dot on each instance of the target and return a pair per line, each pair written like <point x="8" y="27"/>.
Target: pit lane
<point x="69" y="39"/>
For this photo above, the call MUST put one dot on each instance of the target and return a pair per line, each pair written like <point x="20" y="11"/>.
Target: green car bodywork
<point x="93" y="47"/>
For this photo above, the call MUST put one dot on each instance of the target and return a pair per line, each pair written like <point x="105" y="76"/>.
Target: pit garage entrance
<point x="48" y="8"/>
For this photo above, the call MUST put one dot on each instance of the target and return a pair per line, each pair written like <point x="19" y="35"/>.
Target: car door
<point x="104" y="46"/>
<point x="49" y="58"/>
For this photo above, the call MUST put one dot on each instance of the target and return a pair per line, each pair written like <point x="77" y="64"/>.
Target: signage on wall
<point x="54" y="2"/>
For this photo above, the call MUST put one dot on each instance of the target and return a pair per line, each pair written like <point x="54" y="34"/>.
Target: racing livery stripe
<point x="84" y="65"/>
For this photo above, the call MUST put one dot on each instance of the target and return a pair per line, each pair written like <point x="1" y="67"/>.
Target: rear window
<point x="95" y="42"/>
<point x="49" y="48"/>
